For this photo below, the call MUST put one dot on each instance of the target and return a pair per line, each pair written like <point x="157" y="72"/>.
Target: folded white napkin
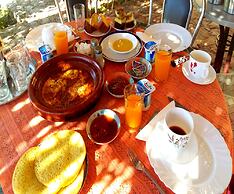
<point x="148" y="129"/>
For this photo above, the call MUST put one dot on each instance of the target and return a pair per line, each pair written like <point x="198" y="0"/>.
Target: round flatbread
<point x="59" y="158"/>
<point x="75" y="186"/>
<point x="24" y="179"/>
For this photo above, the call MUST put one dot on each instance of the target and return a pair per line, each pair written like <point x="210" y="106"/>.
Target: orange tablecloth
<point x="109" y="168"/>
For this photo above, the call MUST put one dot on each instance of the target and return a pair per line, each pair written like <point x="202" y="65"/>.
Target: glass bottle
<point x="93" y="44"/>
<point x="98" y="56"/>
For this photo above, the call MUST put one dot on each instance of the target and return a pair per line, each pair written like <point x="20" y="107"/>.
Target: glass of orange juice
<point x="61" y="42"/>
<point x="133" y="105"/>
<point x="162" y="62"/>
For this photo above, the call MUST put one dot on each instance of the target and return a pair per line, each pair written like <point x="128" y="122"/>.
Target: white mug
<point x="178" y="127"/>
<point x="199" y="62"/>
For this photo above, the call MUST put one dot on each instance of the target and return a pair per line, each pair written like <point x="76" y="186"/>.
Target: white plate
<point x="208" y="80"/>
<point x="109" y="54"/>
<point x="97" y="34"/>
<point x="209" y="172"/>
<point x="177" y="37"/>
<point x="34" y="38"/>
<point x="125" y="29"/>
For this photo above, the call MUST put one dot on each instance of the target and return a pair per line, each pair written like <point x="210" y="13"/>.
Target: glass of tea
<point x="133" y="97"/>
<point x="178" y="127"/>
<point x="162" y="62"/>
<point x="61" y="42"/>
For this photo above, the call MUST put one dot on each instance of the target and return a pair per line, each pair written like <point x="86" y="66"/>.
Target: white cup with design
<point x="178" y="126"/>
<point x="199" y="62"/>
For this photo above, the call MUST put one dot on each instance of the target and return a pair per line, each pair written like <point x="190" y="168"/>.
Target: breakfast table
<point x="109" y="168"/>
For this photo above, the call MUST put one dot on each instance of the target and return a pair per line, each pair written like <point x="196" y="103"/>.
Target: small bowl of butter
<point x="82" y="47"/>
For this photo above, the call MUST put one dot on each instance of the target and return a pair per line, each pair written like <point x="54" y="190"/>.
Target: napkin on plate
<point x="148" y="129"/>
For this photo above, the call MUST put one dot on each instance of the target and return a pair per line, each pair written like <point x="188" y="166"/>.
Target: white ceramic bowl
<point x="103" y="131"/>
<point x="117" y="36"/>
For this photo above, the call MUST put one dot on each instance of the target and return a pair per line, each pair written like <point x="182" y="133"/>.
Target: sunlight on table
<point x="20" y="105"/>
<point x="35" y="121"/>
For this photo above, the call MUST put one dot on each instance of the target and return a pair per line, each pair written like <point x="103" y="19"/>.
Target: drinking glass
<point x="20" y="67"/>
<point x="79" y="13"/>
<point x="61" y="42"/>
<point x="17" y="64"/>
<point x="162" y="62"/>
<point x="4" y="89"/>
<point x="133" y="105"/>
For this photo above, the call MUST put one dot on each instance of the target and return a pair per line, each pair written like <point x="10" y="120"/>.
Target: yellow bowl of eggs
<point x="122" y="42"/>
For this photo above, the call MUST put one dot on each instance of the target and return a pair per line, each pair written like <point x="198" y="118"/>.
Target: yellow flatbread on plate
<point x="24" y="180"/>
<point x="75" y="186"/>
<point x="59" y="159"/>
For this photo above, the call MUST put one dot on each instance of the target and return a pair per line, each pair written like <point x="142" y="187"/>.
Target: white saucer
<point x="208" y="80"/>
<point x="125" y="29"/>
<point x="97" y="34"/>
<point x="109" y="54"/>
<point x="209" y="172"/>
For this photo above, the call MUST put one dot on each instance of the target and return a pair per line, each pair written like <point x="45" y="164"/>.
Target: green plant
<point x="6" y="18"/>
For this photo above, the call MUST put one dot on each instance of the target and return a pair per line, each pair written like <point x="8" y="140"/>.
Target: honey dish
<point x="138" y="68"/>
<point x="116" y="82"/>
<point x="103" y="126"/>
<point x="122" y="42"/>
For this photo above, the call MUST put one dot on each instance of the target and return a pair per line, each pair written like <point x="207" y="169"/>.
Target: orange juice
<point x="133" y="110"/>
<point x="61" y="42"/>
<point x="162" y="65"/>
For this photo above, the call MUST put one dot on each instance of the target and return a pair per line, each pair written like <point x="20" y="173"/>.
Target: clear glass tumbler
<point x="4" y="89"/>
<point x="20" y="66"/>
<point x="17" y="64"/>
<point x="79" y="13"/>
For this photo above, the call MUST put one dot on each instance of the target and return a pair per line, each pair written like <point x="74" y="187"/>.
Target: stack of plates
<point x="112" y="55"/>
